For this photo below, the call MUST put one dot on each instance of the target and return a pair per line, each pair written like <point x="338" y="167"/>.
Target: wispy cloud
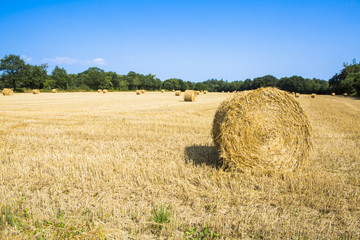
<point x="26" y="58"/>
<point x="99" y="61"/>
<point x="74" y="61"/>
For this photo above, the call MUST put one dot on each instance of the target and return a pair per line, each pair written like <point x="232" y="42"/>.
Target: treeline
<point x="15" y="73"/>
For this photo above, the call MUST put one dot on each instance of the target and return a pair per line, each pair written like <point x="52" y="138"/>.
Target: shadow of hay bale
<point x="199" y="155"/>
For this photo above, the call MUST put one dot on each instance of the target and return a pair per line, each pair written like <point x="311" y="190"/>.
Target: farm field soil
<point x="122" y="166"/>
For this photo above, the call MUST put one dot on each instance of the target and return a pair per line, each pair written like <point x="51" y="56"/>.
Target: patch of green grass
<point x="201" y="234"/>
<point x="160" y="216"/>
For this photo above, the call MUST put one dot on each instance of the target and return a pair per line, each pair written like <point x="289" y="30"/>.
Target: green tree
<point x="106" y="83"/>
<point x="35" y="76"/>
<point x="60" y="76"/>
<point x="12" y="69"/>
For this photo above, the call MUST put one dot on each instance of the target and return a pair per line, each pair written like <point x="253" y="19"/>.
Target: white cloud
<point x="26" y="58"/>
<point x="99" y="61"/>
<point x="74" y="61"/>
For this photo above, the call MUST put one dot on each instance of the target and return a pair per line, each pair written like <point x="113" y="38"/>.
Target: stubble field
<point x="122" y="166"/>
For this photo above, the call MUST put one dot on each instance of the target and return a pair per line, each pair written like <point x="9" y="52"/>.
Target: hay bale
<point x="36" y="91"/>
<point x="297" y="95"/>
<point x="54" y="90"/>
<point x="313" y="95"/>
<point x="100" y="91"/>
<point x="143" y="91"/>
<point x="7" y="92"/>
<point x="264" y="128"/>
<point x="206" y="91"/>
<point x="190" y="96"/>
<point x="105" y="91"/>
<point x="162" y="91"/>
<point x="345" y="94"/>
<point x="197" y="93"/>
<point x="333" y="94"/>
<point x="138" y="92"/>
<point x="178" y="93"/>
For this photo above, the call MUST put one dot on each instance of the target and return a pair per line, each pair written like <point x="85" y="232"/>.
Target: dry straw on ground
<point x="54" y="90"/>
<point x="7" y="92"/>
<point x="177" y="93"/>
<point x="313" y="95"/>
<point x="36" y="91"/>
<point x="264" y="128"/>
<point x="190" y="96"/>
<point x="138" y="92"/>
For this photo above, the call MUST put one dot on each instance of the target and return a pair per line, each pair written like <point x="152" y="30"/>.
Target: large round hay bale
<point x="178" y="93"/>
<point x="36" y="91"/>
<point x="142" y="91"/>
<point x="189" y="96"/>
<point x="297" y="95"/>
<point x="333" y="94"/>
<point x="7" y="92"/>
<point x="54" y="90"/>
<point x="206" y="91"/>
<point x="100" y="91"/>
<point x="138" y="92"/>
<point x="313" y="95"/>
<point x="264" y="128"/>
<point x="105" y="91"/>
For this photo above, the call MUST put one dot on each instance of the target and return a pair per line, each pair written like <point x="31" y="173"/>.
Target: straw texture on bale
<point x="264" y="128"/>
<point x="177" y="93"/>
<point x="54" y="91"/>
<point x="297" y="95"/>
<point x="332" y="94"/>
<point x="138" y="92"/>
<point x="190" y="96"/>
<point x="100" y="91"/>
<point x="7" y="92"/>
<point x="36" y="91"/>
<point x="105" y="91"/>
<point x="313" y="95"/>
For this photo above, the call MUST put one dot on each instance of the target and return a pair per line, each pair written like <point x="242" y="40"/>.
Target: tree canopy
<point x="16" y="74"/>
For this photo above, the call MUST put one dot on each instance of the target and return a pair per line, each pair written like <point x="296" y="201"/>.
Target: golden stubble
<point x="116" y="155"/>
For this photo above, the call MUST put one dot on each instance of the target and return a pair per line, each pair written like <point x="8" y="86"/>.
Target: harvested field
<point x="89" y="165"/>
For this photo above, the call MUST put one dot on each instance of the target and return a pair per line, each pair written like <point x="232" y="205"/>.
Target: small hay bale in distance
<point x="142" y="91"/>
<point x="138" y="92"/>
<point x="197" y="93"/>
<point x="190" y="96"/>
<point x="263" y="129"/>
<point x="297" y="95"/>
<point x="100" y="91"/>
<point x="7" y="92"/>
<point x="162" y="90"/>
<point x="178" y="93"/>
<point x="54" y="90"/>
<point x="313" y="95"/>
<point x="206" y="91"/>
<point x="345" y="94"/>
<point x="36" y="91"/>
<point x="333" y="94"/>
<point x="105" y="91"/>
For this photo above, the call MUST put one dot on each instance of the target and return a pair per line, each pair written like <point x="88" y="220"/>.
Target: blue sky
<point x="192" y="40"/>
